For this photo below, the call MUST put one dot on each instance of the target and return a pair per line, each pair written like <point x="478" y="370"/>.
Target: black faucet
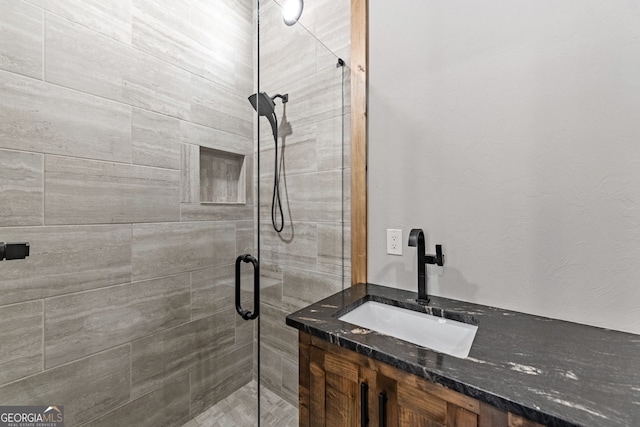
<point x="416" y="238"/>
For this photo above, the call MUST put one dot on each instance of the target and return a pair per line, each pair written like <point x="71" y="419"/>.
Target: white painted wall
<point x="510" y="132"/>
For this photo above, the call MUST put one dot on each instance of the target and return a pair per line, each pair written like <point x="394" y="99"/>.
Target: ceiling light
<point x="291" y="11"/>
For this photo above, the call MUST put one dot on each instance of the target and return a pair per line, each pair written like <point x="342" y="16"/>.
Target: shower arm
<point x="285" y="97"/>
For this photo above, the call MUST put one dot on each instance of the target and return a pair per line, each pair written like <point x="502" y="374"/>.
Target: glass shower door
<point x="302" y="179"/>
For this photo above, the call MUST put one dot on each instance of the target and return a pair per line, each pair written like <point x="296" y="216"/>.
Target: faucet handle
<point x="437" y="259"/>
<point x="439" y="255"/>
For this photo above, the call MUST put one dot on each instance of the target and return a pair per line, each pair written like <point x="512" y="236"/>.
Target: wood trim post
<point x="359" y="71"/>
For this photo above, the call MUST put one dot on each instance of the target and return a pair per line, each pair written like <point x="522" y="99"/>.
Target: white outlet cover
<point x="394" y="241"/>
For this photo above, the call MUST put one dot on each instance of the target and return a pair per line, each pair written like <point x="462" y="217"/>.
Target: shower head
<point x="263" y="104"/>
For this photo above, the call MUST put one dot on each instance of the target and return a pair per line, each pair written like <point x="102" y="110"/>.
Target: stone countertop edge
<point x="557" y="373"/>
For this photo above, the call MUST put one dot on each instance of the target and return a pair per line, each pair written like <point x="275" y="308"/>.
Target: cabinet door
<point x="334" y="390"/>
<point x="382" y="398"/>
<point x="343" y="391"/>
<point x="494" y="417"/>
<point x="330" y="378"/>
<point x="330" y="393"/>
<point x="417" y="408"/>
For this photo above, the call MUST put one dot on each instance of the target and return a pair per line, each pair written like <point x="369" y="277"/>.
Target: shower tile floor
<point x="239" y="410"/>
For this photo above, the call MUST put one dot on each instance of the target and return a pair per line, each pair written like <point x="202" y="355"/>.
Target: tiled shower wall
<point x="304" y="263"/>
<point x="123" y="313"/>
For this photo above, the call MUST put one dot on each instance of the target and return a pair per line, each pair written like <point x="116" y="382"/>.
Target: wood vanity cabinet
<point x="339" y="387"/>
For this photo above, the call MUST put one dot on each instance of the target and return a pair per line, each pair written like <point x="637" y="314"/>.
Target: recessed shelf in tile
<point x="222" y="177"/>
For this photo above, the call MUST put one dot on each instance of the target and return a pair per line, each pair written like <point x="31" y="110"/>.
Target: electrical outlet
<point x="394" y="241"/>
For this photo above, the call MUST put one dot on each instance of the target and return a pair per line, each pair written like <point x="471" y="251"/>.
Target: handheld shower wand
<point x="265" y="106"/>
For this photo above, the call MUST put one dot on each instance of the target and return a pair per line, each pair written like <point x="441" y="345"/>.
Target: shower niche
<point x="222" y="177"/>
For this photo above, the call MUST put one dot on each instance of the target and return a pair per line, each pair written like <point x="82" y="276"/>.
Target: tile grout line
<point x="137" y="49"/>
<point x="44" y="45"/>
<point x="121" y="103"/>
<point x="130" y="343"/>
<point x="44" y="194"/>
<point x="131" y="142"/>
<point x="62" y="365"/>
<point x="131" y="254"/>
<point x="43" y="335"/>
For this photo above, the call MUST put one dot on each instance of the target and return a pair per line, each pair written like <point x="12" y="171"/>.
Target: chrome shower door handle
<point x="246" y="314"/>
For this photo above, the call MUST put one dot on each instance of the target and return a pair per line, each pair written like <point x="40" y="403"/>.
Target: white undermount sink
<point x="437" y="333"/>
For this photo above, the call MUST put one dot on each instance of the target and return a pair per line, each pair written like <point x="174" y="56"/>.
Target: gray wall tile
<point x="161" y="249"/>
<point x="21" y="334"/>
<point x="329" y="144"/>
<point x="21" y="38"/>
<point x="245" y="238"/>
<point x="64" y="260"/>
<point x="35" y="116"/>
<point x="290" y="380"/>
<point x="271" y="369"/>
<point x="303" y="287"/>
<point x="271" y="278"/>
<point x="297" y="147"/>
<point x="215" y="334"/>
<point x="296" y="246"/>
<point x="179" y="9"/>
<point x="168" y="406"/>
<point x="219" y="107"/>
<point x="159" y="357"/>
<point x="192" y="133"/>
<point x="278" y="67"/>
<point x="312" y="98"/>
<point x="210" y="383"/>
<point x="315" y="197"/>
<point x="190" y="173"/>
<point x="236" y="17"/>
<point x="333" y="247"/>
<point x="22" y="189"/>
<point x="110" y="18"/>
<point x="80" y="324"/>
<point x="296" y="139"/>
<point x="245" y="75"/>
<point x="215" y="212"/>
<point x="39" y="3"/>
<point x="275" y="332"/>
<point x="86" y="388"/>
<point x="212" y="290"/>
<point x="155" y="140"/>
<point x="161" y="32"/>
<point x="233" y="39"/>
<point x="331" y="22"/>
<point x="244" y="332"/>
<point x="247" y="287"/>
<point x="79" y="191"/>
<point x="79" y="58"/>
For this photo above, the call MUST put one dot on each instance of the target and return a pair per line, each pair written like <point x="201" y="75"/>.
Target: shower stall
<point x="135" y="168"/>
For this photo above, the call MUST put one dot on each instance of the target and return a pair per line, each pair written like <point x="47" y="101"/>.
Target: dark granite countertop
<point x="554" y="372"/>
